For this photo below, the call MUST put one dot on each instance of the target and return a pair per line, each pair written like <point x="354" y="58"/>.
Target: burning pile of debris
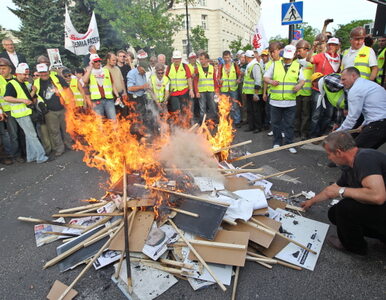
<point x="175" y="208"/>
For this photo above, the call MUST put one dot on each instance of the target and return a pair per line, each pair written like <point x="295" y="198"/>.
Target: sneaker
<point x="275" y="146"/>
<point x="292" y="150"/>
<point x="270" y="133"/>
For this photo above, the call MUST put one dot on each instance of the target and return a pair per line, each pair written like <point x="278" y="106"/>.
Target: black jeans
<point x="372" y="135"/>
<point x="355" y="220"/>
<point x="255" y="112"/>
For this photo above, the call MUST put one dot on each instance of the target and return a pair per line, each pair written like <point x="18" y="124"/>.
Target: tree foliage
<point x="237" y="45"/>
<point x="343" y="31"/>
<point x="198" y="39"/>
<point x="309" y="32"/>
<point x="3" y="35"/>
<point x="143" y="24"/>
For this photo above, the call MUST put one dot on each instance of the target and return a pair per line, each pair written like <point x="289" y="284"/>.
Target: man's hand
<point x="145" y="86"/>
<point x="274" y="82"/>
<point x="191" y="94"/>
<point x="265" y="97"/>
<point x="26" y="101"/>
<point x="2" y="117"/>
<point x="307" y="204"/>
<point x="328" y="21"/>
<point x="255" y="98"/>
<point x="332" y="191"/>
<point x="297" y="87"/>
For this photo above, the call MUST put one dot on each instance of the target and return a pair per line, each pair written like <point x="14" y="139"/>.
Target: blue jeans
<point x="35" y="150"/>
<point x="235" y="111"/>
<point x="320" y="116"/>
<point x="105" y="107"/>
<point x="207" y="106"/>
<point x="282" y="119"/>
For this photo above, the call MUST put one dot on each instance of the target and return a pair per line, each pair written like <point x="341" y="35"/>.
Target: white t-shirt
<point x="99" y="75"/>
<point x="14" y="58"/>
<point x="348" y="59"/>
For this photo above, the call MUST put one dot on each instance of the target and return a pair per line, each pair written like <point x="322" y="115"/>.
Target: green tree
<point x="278" y="38"/>
<point x="3" y="35"/>
<point x="343" y="31"/>
<point x="142" y="23"/>
<point x="198" y="38"/>
<point x="235" y="45"/>
<point x="309" y="32"/>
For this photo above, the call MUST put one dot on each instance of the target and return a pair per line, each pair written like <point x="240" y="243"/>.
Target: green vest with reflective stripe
<point x="287" y="81"/>
<point x="107" y="86"/>
<point x="229" y="81"/>
<point x="335" y="98"/>
<point x="361" y="61"/>
<point x="381" y="63"/>
<point x="249" y="82"/>
<point x="178" y="80"/>
<point x="55" y="81"/>
<point x="266" y="67"/>
<point x="306" y="90"/>
<point x="4" y="104"/>
<point x="205" y="81"/>
<point x="159" y="90"/>
<point x="19" y="110"/>
<point x="77" y="95"/>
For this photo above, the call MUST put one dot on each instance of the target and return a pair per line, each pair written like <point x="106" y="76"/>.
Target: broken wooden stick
<point x="41" y="221"/>
<point x="197" y="255"/>
<point x="79" y="208"/>
<point x="273" y="175"/>
<point x="246" y="165"/>
<point x="232" y="146"/>
<point x="235" y="283"/>
<point x="185" y="212"/>
<point x="181" y="194"/>
<point x="60" y="233"/>
<point x="279" y="262"/>
<point x="90" y="263"/>
<point x="285" y="147"/>
<point x="282" y="235"/>
<point x="293" y="207"/>
<point x="218" y="244"/>
<point x="264" y="260"/>
<point x="97" y="223"/>
<point x="74" y="215"/>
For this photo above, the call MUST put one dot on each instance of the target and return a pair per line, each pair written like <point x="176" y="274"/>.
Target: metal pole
<point x="291" y="30"/>
<point x="187" y="27"/>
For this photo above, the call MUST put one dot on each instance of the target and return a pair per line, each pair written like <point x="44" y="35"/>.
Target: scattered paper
<point x="265" y="184"/>
<point x="308" y="195"/>
<point x="155" y="251"/>
<point x="208" y="184"/>
<point x="107" y="258"/>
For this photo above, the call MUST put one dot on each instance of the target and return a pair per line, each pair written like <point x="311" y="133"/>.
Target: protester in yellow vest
<point x="80" y="100"/>
<point x="206" y="89"/>
<point x="303" y="99"/>
<point x="381" y="61"/>
<point x="17" y="93"/>
<point x="360" y="56"/>
<point x="159" y="87"/>
<point x="101" y="86"/>
<point x="229" y="77"/>
<point x="52" y="90"/>
<point x="286" y="78"/>
<point x="9" y="127"/>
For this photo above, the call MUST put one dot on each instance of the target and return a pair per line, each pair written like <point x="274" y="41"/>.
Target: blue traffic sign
<point x="292" y="13"/>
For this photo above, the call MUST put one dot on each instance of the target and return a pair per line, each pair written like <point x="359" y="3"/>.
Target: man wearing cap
<point x="81" y="101"/>
<point x="286" y="78"/>
<point x="18" y="94"/>
<point x="303" y="98"/>
<point x="360" y="56"/>
<point x="264" y="57"/>
<point x="11" y="54"/>
<point x="49" y="89"/>
<point x="369" y="99"/>
<point x="101" y="87"/>
<point x="229" y="77"/>
<point x="9" y="129"/>
<point x="181" y="87"/>
<point x="326" y="62"/>
<point x="381" y="61"/>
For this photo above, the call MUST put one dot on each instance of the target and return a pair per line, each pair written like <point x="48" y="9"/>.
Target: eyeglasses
<point x="66" y="76"/>
<point x="160" y="72"/>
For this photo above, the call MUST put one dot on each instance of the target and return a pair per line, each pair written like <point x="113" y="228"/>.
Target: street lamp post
<point x="187" y="27"/>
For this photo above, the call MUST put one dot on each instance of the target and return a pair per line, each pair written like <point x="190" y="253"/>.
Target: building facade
<point x="222" y="20"/>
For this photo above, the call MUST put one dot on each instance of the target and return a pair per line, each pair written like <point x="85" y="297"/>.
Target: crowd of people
<point x="300" y="90"/>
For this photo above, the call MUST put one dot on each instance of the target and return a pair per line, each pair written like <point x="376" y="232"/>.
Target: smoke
<point x="187" y="150"/>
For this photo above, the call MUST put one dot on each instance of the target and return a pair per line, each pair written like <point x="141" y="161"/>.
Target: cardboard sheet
<point x="234" y="257"/>
<point x="238" y="183"/>
<point x="273" y="224"/>
<point x="258" y="236"/>
<point x="57" y="290"/>
<point x="273" y="203"/>
<point x="141" y="227"/>
<point x="278" y="244"/>
<point x="308" y="232"/>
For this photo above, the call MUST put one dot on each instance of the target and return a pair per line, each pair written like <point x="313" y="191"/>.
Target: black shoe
<point x="51" y="157"/>
<point x="331" y="165"/>
<point x="7" y="161"/>
<point x="20" y="160"/>
<point x="257" y="131"/>
<point x="248" y="130"/>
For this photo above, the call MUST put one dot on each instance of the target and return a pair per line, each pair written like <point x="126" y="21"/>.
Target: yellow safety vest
<point x="249" y="82"/>
<point x="74" y="88"/>
<point x="178" y="80"/>
<point x="361" y="61"/>
<point x="335" y="98"/>
<point x="4" y="104"/>
<point x="229" y="81"/>
<point x="19" y="110"/>
<point x="55" y="80"/>
<point x="287" y="81"/>
<point x="159" y="90"/>
<point x="381" y="63"/>
<point x="107" y="86"/>
<point x="307" y="87"/>
<point x="205" y="81"/>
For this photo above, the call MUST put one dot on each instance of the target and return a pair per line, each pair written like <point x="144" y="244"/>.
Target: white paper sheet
<point x="155" y="252"/>
<point x="106" y="258"/>
<point x="265" y="184"/>
<point x="308" y="232"/>
<point x="208" y="184"/>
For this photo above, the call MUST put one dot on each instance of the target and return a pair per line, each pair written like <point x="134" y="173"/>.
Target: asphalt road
<point x="41" y="190"/>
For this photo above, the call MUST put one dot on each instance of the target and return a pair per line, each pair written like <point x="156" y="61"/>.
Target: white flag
<point x="259" y="39"/>
<point x="76" y="42"/>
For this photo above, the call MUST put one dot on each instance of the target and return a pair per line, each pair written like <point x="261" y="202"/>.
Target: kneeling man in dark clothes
<point x="361" y="212"/>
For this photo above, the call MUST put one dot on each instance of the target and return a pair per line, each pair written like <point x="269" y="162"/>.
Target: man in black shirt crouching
<point x="362" y="209"/>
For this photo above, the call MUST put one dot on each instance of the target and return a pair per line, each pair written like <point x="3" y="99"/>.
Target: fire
<point x="225" y="132"/>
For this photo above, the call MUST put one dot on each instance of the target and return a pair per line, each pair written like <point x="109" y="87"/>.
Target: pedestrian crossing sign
<point x="292" y="13"/>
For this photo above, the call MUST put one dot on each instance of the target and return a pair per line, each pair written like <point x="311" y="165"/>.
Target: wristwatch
<point x="341" y="192"/>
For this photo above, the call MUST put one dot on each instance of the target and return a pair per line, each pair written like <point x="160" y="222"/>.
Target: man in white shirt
<point x="368" y="98"/>
<point x="11" y="55"/>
